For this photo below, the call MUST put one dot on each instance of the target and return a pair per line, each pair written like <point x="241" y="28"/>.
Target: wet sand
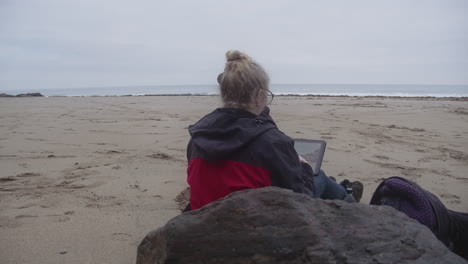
<point x="84" y="179"/>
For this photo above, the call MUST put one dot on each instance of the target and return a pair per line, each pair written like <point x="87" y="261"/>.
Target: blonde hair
<point x="241" y="80"/>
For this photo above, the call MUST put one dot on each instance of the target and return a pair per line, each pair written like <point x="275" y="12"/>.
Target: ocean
<point x="398" y="90"/>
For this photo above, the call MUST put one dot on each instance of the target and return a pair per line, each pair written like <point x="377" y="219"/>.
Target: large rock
<point x="272" y="225"/>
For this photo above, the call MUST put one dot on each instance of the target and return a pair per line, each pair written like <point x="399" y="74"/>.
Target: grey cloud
<point x="52" y="43"/>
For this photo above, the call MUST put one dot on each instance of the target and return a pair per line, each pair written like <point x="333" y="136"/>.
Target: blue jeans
<point x="327" y="188"/>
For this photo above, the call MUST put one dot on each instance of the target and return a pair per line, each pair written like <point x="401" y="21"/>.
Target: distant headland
<point x="22" y="95"/>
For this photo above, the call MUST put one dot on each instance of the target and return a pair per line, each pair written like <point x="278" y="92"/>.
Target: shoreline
<point x="418" y="98"/>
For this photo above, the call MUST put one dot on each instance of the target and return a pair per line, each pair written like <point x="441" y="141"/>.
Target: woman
<point x="239" y="146"/>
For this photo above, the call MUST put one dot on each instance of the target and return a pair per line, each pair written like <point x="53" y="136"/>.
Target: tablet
<point x="312" y="151"/>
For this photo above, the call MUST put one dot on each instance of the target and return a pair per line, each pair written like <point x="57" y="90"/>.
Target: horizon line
<point x="159" y="85"/>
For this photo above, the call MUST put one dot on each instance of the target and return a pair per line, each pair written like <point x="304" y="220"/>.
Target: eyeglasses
<point x="270" y="97"/>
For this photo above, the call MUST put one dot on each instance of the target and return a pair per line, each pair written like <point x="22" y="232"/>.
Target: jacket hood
<point x="226" y="130"/>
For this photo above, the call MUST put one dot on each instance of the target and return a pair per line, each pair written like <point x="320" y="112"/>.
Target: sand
<point x="84" y="179"/>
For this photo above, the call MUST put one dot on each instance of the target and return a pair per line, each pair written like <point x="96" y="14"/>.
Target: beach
<point x="84" y="179"/>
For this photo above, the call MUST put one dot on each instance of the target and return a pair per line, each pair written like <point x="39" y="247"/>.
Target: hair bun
<point x="234" y="55"/>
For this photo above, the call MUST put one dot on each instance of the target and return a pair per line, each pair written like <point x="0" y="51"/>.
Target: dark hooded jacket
<point x="233" y="149"/>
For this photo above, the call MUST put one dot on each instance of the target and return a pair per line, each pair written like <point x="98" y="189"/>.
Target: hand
<point x="301" y="159"/>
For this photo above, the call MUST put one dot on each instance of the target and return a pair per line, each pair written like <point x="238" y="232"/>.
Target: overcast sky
<point x="94" y="43"/>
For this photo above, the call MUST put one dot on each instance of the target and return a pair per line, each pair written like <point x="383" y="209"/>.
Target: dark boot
<point x="354" y="188"/>
<point x="358" y="189"/>
<point x="450" y="227"/>
<point x="458" y="233"/>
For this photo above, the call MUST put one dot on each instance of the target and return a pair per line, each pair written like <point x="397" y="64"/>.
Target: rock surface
<point x="272" y="225"/>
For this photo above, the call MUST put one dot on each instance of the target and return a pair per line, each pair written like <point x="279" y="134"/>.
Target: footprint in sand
<point x="7" y="179"/>
<point x="407" y="128"/>
<point x="28" y="174"/>
<point x="382" y="157"/>
<point x="454" y="199"/>
<point x="25" y="216"/>
<point x="160" y="155"/>
<point x="58" y="218"/>
<point x="121" y="236"/>
<point x="27" y="205"/>
<point x="99" y="201"/>
<point x="183" y="198"/>
<point x="18" y="176"/>
<point x="35" y="139"/>
<point x="109" y="152"/>
<point x="461" y="111"/>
